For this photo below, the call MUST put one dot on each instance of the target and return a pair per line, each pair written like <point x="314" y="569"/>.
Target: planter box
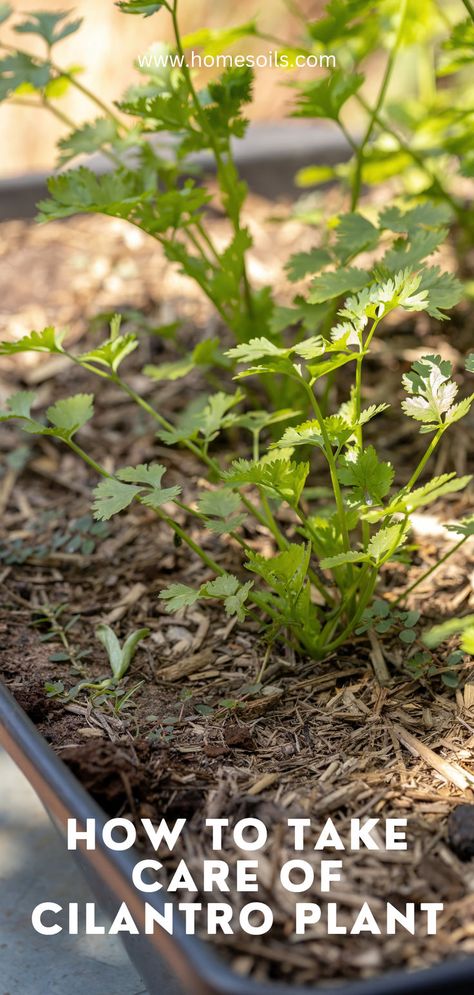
<point x="178" y="964"/>
<point x="267" y="158"/>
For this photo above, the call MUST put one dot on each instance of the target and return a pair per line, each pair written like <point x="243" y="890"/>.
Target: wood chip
<point x="131" y="597"/>
<point x="187" y="665"/>
<point x="456" y="775"/>
<point x="263" y="782"/>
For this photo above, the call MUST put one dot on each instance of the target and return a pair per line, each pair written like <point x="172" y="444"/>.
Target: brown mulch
<point x="206" y="739"/>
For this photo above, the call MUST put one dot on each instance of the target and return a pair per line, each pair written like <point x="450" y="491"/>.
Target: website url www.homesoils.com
<point x="264" y="60"/>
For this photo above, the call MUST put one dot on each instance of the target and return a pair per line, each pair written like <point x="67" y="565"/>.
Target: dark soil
<point x="203" y="736"/>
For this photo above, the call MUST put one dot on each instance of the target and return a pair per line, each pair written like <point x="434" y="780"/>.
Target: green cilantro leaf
<point x="280" y="478"/>
<point x="71" y="413"/>
<point x="369" y="478"/>
<point x="464" y="528"/>
<point x="48" y="25"/>
<point x="335" y="283"/>
<point x="326" y="97"/>
<point x="431" y="392"/>
<point x="112" y="496"/>
<point x="145" y="7"/>
<point x="19" y="69"/>
<point x="178" y="596"/>
<point x="303" y="263"/>
<point x="48" y="340"/>
<point x="385" y="539"/>
<point x="354" y="234"/>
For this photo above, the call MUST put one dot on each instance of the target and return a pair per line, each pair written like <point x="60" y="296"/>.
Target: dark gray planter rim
<point x="268" y="158"/>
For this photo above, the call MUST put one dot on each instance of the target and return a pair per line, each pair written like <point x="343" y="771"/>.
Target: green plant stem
<point x="271" y="523"/>
<point x="430" y="571"/>
<point x="315" y="580"/>
<point x="364" y="601"/>
<point x="190" y="542"/>
<point x="90" y="96"/>
<point x="347" y="135"/>
<point x="176" y="256"/>
<point x="443" y="193"/>
<point x="421" y="465"/>
<point x="227" y="182"/>
<point x="469" y="7"/>
<point x="256" y="599"/>
<point x="199" y="248"/>
<point x="208" y="240"/>
<point x="356" y="188"/>
<point x="72" y="79"/>
<point x="332" y="466"/>
<point x="294" y="9"/>
<point x="100" y="470"/>
<point x="406" y="490"/>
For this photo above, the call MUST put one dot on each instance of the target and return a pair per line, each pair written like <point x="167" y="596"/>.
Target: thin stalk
<point x="315" y="580"/>
<point x="208" y="240"/>
<point x="271" y="523"/>
<point x="228" y="183"/>
<point x="264" y="663"/>
<point x="102" y="472"/>
<point x="418" y="158"/>
<point x="378" y="104"/>
<point x="358" y="405"/>
<point x="332" y="466"/>
<point x="296" y="11"/>
<point x="90" y="96"/>
<point x="170" y="250"/>
<point x="88" y="459"/>
<point x="347" y="135"/>
<point x="406" y="490"/>
<point x="421" y="465"/>
<point x="364" y="601"/>
<point x="72" y="79"/>
<point x="469" y="7"/>
<point x="199" y="248"/>
<point x="190" y="542"/>
<point x="430" y="571"/>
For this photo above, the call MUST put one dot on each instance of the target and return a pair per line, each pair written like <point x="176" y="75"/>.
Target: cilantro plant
<point x="316" y="587"/>
<point x="309" y="475"/>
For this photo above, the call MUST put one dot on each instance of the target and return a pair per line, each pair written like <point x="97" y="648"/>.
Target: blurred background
<point x="107" y="45"/>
